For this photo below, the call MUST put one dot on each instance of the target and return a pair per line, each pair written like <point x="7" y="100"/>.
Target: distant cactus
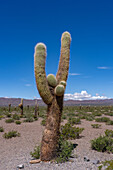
<point x="36" y="110"/>
<point x="21" y="106"/>
<point x="27" y="107"/>
<point x="9" y="107"/>
<point x="51" y="97"/>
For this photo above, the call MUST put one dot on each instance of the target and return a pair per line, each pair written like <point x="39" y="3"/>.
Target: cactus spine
<point x="47" y="92"/>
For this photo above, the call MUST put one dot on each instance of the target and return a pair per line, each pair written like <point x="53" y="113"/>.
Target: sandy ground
<point x="17" y="150"/>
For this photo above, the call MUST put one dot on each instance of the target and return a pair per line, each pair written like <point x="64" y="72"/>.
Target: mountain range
<point x="15" y="101"/>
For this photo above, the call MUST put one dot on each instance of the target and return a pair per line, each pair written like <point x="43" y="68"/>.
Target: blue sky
<point x="24" y="23"/>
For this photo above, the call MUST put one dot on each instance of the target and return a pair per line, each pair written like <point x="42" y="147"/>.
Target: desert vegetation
<point x="71" y="130"/>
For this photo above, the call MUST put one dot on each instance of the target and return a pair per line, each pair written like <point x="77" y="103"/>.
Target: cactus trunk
<point x="51" y="132"/>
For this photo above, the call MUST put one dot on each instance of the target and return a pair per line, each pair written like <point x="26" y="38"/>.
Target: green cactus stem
<point x="52" y="80"/>
<point x="59" y="90"/>
<point x="40" y="75"/>
<point x="62" y="73"/>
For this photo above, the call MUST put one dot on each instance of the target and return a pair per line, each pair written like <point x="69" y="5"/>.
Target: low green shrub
<point x="36" y="153"/>
<point x="70" y="132"/>
<point x="1" y="129"/>
<point x="70" y="114"/>
<point x="11" y="134"/>
<point x="96" y="126"/>
<point x="9" y="120"/>
<point x="109" y="133"/>
<point x="8" y="114"/>
<point x="18" y="122"/>
<point x="73" y="121"/>
<point x="97" y="114"/>
<point x="102" y="119"/>
<point x="110" y="122"/>
<point x="102" y="144"/>
<point x="1" y="116"/>
<point x="64" y="150"/>
<point x="109" y="165"/>
<point x="109" y="114"/>
<point x="30" y="119"/>
<point x="43" y="122"/>
<point x="16" y="117"/>
<point x="89" y="117"/>
<point x="64" y="116"/>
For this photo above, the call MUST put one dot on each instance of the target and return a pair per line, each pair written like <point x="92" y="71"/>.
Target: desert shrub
<point x="35" y="118"/>
<point x="1" y="129"/>
<point x="9" y="120"/>
<point x="16" y="117"/>
<point x="70" y="132"/>
<point x="73" y="121"/>
<point x="36" y="153"/>
<point x="96" y="126"/>
<point x="110" y="122"/>
<point x="70" y="114"/>
<point x="109" y="165"/>
<point x="43" y="122"/>
<point x="11" y="134"/>
<point x="18" y="122"/>
<point x="64" y="116"/>
<point x="89" y="117"/>
<point x="1" y="116"/>
<point x="102" y="119"/>
<point x="29" y="117"/>
<point x="64" y="150"/>
<point x="109" y="133"/>
<point x="97" y="114"/>
<point x="102" y="144"/>
<point x="8" y="114"/>
<point x="109" y="114"/>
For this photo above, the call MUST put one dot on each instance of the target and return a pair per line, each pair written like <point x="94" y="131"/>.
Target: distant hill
<point x="16" y="101"/>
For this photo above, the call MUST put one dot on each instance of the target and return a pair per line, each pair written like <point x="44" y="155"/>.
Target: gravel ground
<point x="17" y="150"/>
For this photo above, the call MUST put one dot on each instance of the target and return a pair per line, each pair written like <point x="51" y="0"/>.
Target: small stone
<point x="95" y="161"/>
<point x="86" y="159"/>
<point x="21" y="166"/>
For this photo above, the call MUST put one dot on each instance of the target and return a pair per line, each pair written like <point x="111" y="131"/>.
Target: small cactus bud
<point x="63" y="83"/>
<point x="59" y="90"/>
<point x="52" y="80"/>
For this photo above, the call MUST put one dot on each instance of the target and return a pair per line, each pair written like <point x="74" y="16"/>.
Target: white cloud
<point x="83" y="96"/>
<point x="28" y="85"/>
<point x="74" y="74"/>
<point x="104" y="68"/>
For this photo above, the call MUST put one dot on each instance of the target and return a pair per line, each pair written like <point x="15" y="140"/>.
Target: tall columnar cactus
<point x="21" y="106"/>
<point x="51" y="94"/>
<point x="36" y="109"/>
<point x="9" y="107"/>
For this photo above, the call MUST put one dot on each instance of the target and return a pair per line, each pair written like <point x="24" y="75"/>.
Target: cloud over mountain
<point x="83" y="96"/>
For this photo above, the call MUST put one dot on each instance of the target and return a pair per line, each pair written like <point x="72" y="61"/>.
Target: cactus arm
<point x="40" y="75"/>
<point x="62" y="73"/>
